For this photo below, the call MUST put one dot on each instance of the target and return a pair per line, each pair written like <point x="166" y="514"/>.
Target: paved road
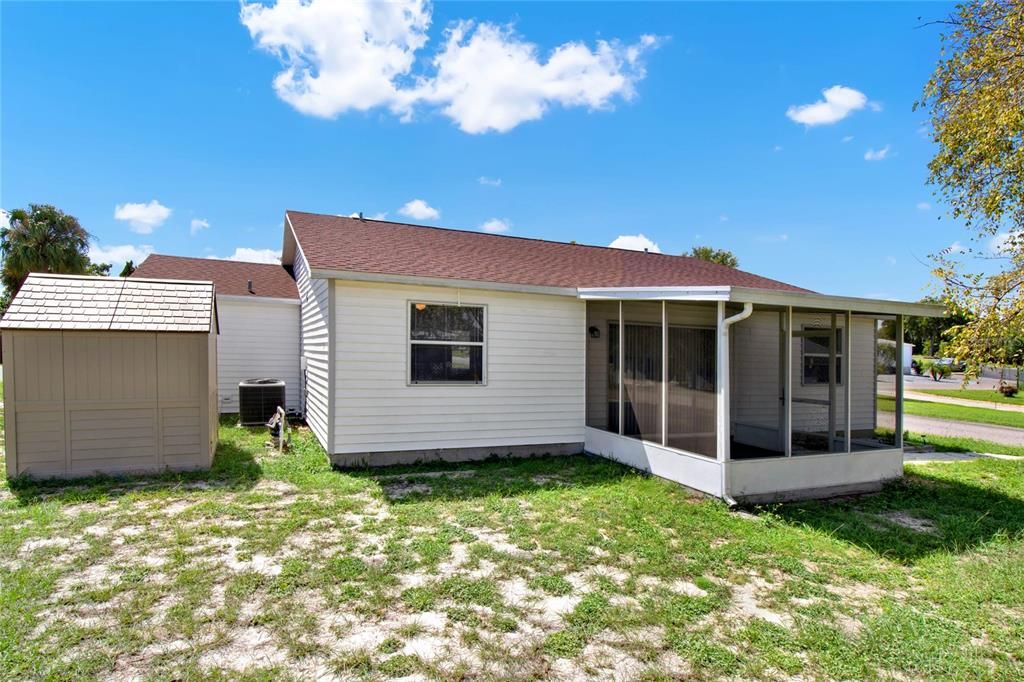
<point x="946" y="427"/>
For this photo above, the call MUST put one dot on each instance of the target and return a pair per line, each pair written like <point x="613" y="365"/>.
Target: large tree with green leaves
<point x="975" y="99"/>
<point x="41" y="239"/>
<point x="720" y="256"/>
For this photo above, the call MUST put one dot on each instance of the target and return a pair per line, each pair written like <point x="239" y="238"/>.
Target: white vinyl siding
<point x="258" y="338"/>
<point x="535" y="373"/>
<point x="314" y="347"/>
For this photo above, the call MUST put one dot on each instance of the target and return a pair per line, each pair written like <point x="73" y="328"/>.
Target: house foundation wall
<point x="470" y="454"/>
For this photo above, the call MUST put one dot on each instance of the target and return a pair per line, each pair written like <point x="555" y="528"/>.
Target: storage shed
<point x="109" y="375"/>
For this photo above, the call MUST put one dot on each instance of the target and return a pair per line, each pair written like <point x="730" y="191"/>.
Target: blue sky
<point x="677" y="129"/>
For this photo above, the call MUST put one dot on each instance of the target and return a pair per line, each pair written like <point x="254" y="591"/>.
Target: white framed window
<point x="815" y="354"/>
<point x="446" y="343"/>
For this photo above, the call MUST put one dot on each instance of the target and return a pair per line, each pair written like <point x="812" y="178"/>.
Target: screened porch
<point x="744" y="398"/>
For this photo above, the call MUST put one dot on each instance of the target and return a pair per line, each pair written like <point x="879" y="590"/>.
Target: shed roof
<point x="335" y="243"/>
<point x="230" y="277"/>
<point x="111" y="303"/>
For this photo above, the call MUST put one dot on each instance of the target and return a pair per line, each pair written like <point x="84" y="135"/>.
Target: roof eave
<point x="356" y="276"/>
<point x="767" y="297"/>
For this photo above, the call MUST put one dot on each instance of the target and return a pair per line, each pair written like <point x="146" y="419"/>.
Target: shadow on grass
<point x="493" y="477"/>
<point x="928" y="512"/>
<point x="234" y="469"/>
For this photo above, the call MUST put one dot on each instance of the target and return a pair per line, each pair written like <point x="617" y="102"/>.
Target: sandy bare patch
<point x="745" y="604"/>
<point x="910" y="522"/>
<point x="250" y="647"/>
<point x="34" y="544"/>
<point x="687" y="588"/>
<point x="499" y="542"/>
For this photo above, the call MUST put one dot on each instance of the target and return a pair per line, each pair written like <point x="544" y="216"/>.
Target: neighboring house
<point x="258" y="306"/>
<point x="423" y="343"/>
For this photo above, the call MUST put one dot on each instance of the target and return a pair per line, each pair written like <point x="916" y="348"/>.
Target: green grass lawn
<point x="962" y="413"/>
<point x="277" y="567"/>
<point x="986" y="395"/>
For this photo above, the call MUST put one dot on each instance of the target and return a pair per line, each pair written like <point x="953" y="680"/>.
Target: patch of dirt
<point x="745" y="604"/>
<point x="249" y="647"/>
<point x="460" y="473"/>
<point x="398" y="491"/>
<point x="910" y="522"/>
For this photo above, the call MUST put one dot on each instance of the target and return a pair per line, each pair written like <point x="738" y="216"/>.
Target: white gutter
<point x="723" y="393"/>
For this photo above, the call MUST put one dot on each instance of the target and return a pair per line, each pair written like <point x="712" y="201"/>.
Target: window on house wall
<point x="446" y="343"/>
<point x="815" y="351"/>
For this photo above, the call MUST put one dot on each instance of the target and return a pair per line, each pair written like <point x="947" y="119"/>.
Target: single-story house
<point x="258" y="308"/>
<point x="421" y="343"/>
<point x="107" y="375"/>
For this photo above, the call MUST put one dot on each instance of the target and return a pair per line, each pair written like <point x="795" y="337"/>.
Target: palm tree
<point x="42" y="239"/>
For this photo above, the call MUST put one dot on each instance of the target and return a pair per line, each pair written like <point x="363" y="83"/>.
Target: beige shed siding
<point x="534" y="358"/>
<point x="258" y="338"/>
<point x="111" y="402"/>
<point x="36" y="403"/>
<point x="314" y="347"/>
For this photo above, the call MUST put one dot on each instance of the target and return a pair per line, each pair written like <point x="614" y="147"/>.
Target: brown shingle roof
<point x="230" y="277"/>
<point x="382" y="247"/>
<point x="104" y="303"/>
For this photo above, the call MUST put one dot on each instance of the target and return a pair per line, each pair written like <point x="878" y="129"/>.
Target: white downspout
<point x="723" y="391"/>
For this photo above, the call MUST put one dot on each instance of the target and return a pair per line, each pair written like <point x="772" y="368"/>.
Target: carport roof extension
<point x="78" y="302"/>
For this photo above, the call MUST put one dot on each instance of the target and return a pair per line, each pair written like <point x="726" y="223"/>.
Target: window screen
<point x="816" y="354"/>
<point x="446" y="343"/>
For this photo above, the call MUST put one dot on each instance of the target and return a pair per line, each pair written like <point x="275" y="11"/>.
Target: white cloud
<point x="361" y="54"/>
<point x="777" y="148"/>
<point x="924" y="206"/>
<point x="847" y="138"/>
<point x="243" y="253"/>
<point x="955" y="247"/>
<point x="119" y="254"/>
<point x="496" y="225"/>
<point x="635" y="242"/>
<point x="5" y="220"/>
<point x="838" y="103"/>
<point x="197" y="225"/>
<point x="891" y="260"/>
<point x="490" y="79"/>
<point x="142" y="218"/>
<point x="723" y="218"/>
<point x="1006" y="243"/>
<point x="877" y="154"/>
<point x="378" y="216"/>
<point x="417" y="209"/>
<point x="490" y="182"/>
<point x="875" y="106"/>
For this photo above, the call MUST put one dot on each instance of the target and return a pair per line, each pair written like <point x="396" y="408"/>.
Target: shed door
<point x="111" y="400"/>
